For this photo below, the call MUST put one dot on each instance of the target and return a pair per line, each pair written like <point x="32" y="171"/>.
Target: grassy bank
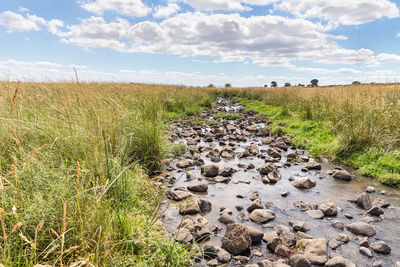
<point x="75" y="167"/>
<point x="358" y="125"/>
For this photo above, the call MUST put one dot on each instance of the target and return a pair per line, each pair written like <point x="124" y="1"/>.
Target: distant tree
<point x="287" y="85"/>
<point x="211" y="85"/>
<point x="228" y="85"/>
<point x="314" y="82"/>
<point x="302" y="85"/>
<point x="274" y="84"/>
<point x="265" y="85"/>
<point x="356" y="83"/>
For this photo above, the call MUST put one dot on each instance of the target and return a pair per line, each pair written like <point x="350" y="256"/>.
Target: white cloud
<point x="388" y="57"/>
<point x="133" y="8"/>
<point x="265" y="40"/>
<point x="226" y="5"/>
<point x="166" y="11"/>
<point x="398" y="34"/>
<point x="15" y="22"/>
<point x="343" y="12"/>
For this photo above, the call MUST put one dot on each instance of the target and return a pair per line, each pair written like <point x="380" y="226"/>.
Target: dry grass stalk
<point x="14" y="99"/>
<point x="32" y="158"/>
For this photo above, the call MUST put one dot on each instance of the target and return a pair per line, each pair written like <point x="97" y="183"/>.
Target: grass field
<point x="77" y="159"/>
<point x="75" y="163"/>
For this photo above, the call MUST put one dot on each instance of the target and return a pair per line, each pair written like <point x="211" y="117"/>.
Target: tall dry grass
<point x="74" y="172"/>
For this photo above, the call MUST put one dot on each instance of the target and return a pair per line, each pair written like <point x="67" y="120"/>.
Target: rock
<point x="226" y="219"/>
<point x="183" y="164"/>
<point x="343" y="238"/>
<point x="205" y="205"/>
<point x="220" y="179"/>
<point x="282" y="250"/>
<point x="299" y="260"/>
<point x="312" y="165"/>
<point x="223" y="210"/>
<point x="210" y="170"/>
<point x="223" y="256"/>
<point x="342" y="175"/>
<point x="363" y="201"/>
<point x="334" y="244"/>
<point x="299" y="226"/>
<point x="267" y="168"/>
<point x="184" y="236"/>
<point x="255" y="234"/>
<point x="226" y="171"/>
<point x="237" y="238"/>
<point x="339" y="261"/>
<point x="381" y="247"/>
<point x="281" y="229"/>
<point x="189" y="207"/>
<point x="202" y="187"/>
<point x="274" y="153"/>
<point x="302" y="205"/>
<point x="288" y="238"/>
<point x="363" y="241"/>
<point x="272" y="239"/>
<point x="265" y="180"/>
<point x="370" y="189"/>
<point x="252" y="128"/>
<point x="285" y="193"/>
<point x="379" y="264"/>
<point x="315" y="250"/>
<point x="262" y="216"/>
<point x="213" y="262"/>
<point x="338" y="225"/>
<point x="267" y="140"/>
<point x="274" y="176"/>
<point x="256" y="204"/>
<point x="301" y="235"/>
<point x="366" y="251"/>
<point x="361" y="228"/>
<point x="265" y="263"/>
<point x="328" y="207"/>
<point x="348" y="216"/>
<point x="375" y="211"/>
<point x="304" y="183"/>
<point x="179" y="195"/>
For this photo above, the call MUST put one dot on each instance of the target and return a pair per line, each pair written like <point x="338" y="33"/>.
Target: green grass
<point x="320" y="139"/>
<point x="228" y="116"/>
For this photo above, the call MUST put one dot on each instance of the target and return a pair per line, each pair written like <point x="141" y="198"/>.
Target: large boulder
<point x="312" y="165"/>
<point x="262" y="216"/>
<point x="202" y="187"/>
<point x="342" y="175"/>
<point x="361" y="228"/>
<point x="272" y="239"/>
<point x="304" y="183"/>
<point x="381" y="247"/>
<point x="363" y="201"/>
<point x="299" y="260"/>
<point x="255" y="234"/>
<point x="315" y="250"/>
<point x="267" y="168"/>
<point x="190" y="206"/>
<point x="211" y="170"/>
<point x="236" y="239"/>
<point x="179" y="194"/>
<point x="328" y="207"/>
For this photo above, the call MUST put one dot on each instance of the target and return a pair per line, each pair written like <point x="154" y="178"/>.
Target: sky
<point x="199" y="42"/>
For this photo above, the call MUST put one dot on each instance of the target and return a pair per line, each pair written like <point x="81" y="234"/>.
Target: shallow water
<point x="224" y="195"/>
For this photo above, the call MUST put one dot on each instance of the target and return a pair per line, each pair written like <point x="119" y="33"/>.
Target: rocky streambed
<point x="241" y="197"/>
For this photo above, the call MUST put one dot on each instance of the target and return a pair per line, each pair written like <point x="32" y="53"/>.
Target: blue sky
<point x="197" y="42"/>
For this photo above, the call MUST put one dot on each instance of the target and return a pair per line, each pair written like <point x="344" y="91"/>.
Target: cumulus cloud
<point x="354" y="12"/>
<point x="266" y="40"/>
<point x="166" y="11"/>
<point x="133" y="8"/>
<point x="15" y="22"/>
<point x="226" y="5"/>
<point x="388" y="57"/>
